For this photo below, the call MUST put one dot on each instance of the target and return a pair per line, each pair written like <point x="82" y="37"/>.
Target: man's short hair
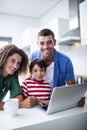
<point x="46" y="32"/>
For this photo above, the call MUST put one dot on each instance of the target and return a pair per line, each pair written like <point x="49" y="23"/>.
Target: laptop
<point x="65" y="97"/>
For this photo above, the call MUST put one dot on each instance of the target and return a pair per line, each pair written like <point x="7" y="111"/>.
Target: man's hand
<point x="81" y="103"/>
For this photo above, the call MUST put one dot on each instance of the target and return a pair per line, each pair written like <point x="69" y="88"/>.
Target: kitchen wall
<point x="78" y="55"/>
<point x="15" y="27"/>
<point x="54" y="18"/>
<point x="24" y="30"/>
<point x="61" y="10"/>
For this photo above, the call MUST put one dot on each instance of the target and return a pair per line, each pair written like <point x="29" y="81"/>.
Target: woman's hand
<point x="28" y="102"/>
<point x="81" y="103"/>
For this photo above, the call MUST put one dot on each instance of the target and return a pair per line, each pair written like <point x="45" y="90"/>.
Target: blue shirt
<point x="63" y="68"/>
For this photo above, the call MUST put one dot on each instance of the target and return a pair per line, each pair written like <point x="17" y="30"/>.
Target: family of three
<point x="48" y="68"/>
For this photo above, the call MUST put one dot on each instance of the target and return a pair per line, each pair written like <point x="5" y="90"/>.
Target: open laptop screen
<point x="65" y="97"/>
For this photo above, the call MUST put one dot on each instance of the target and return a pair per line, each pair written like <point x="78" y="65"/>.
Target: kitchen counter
<point x="37" y="119"/>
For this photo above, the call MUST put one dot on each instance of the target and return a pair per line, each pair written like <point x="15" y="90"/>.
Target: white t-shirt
<point x="49" y="73"/>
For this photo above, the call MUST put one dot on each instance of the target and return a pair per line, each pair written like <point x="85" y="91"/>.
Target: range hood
<point x="70" y="37"/>
<point x="74" y="24"/>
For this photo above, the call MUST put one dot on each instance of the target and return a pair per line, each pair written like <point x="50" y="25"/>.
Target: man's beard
<point x="46" y="55"/>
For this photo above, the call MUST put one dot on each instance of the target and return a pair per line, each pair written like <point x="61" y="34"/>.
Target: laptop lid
<point x="66" y="97"/>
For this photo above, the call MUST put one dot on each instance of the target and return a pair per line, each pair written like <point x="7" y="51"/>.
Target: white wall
<point x="52" y="18"/>
<point x="23" y="30"/>
<point x="78" y="55"/>
<point x="61" y="10"/>
<point x="19" y="27"/>
<point x="14" y="26"/>
<point x="30" y="37"/>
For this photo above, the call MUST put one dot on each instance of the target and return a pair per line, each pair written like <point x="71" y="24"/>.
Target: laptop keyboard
<point x="44" y="107"/>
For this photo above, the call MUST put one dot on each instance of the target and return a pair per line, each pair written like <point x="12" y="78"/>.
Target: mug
<point x="80" y="80"/>
<point x="11" y="106"/>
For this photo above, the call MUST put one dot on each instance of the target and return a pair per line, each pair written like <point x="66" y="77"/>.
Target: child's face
<point x="38" y="73"/>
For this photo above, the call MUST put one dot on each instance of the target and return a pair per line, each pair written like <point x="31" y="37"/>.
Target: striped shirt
<point x="38" y="89"/>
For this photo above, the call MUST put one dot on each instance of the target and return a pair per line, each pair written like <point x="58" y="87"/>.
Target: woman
<point x="13" y="61"/>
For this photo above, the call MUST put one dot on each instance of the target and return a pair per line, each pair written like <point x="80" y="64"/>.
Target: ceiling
<point x="31" y="8"/>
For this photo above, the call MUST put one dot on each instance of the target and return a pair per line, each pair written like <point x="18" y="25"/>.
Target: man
<point x="59" y="66"/>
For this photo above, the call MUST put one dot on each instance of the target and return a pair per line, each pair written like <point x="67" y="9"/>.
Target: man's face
<point x="46" y="45"/>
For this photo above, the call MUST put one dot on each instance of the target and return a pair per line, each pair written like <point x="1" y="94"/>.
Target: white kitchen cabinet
<point x="83" y="22"/>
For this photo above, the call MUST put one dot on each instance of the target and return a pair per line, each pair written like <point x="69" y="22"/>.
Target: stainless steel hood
<point x="74" y="24"/>
<point x="70" y="37"/>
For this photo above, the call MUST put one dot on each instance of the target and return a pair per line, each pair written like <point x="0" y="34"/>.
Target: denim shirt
<point x="63" y="68"/>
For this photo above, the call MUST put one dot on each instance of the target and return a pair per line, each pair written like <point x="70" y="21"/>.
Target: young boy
<point x="35" y="85"/>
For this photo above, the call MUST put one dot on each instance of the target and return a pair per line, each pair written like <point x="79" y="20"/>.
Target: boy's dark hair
<point x="41" y="63"/>
<point x="46" y="32"/>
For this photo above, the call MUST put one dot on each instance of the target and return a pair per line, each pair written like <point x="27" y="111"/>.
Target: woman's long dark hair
<point x="10" y="50"/>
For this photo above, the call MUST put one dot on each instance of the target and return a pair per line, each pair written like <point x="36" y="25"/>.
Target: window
<point x="5" y="41"/>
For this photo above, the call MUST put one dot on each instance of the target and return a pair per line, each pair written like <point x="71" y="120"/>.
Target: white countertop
<point x="33" y="116"/>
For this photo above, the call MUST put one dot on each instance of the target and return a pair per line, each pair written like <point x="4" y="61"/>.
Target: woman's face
<point x="12" y="64"/>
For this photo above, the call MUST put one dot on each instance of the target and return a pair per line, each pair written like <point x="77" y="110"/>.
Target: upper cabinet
<point x="83" y="22"/>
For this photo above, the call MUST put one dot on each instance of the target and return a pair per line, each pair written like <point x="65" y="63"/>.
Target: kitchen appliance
<point x="74" y="24"/>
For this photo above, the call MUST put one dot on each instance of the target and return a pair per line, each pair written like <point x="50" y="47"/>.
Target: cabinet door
<point x="83" y="22"/>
